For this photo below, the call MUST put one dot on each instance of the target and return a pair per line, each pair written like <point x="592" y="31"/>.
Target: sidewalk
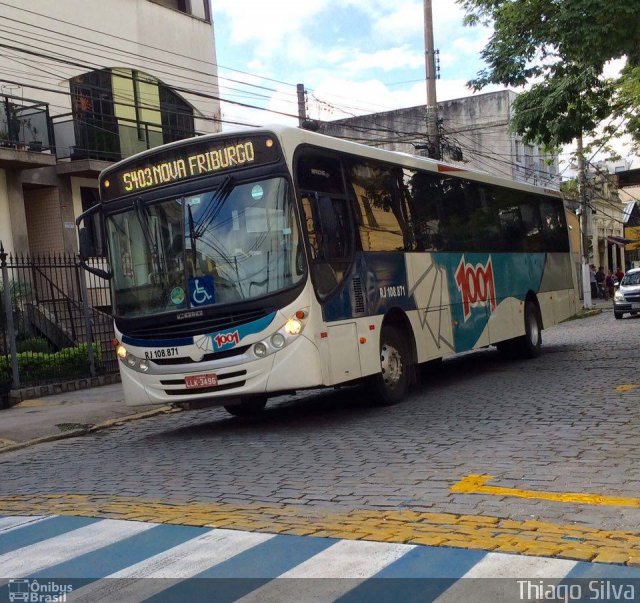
<point x="68" y="414"/>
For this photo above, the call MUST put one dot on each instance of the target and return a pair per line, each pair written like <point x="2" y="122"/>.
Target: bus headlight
<point x="260" y="350"/>
<point x="131" y="360"/>
<point x="293" y="326"/>
<point x="289" y="331"/>
<point x="278" y="340"/>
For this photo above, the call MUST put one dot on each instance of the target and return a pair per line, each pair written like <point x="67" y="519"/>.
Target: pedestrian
<point x="592" y="276"/>
<point x="600" y="278"/>
<point x="619" y="273"/>
<point x="609" y="284"/>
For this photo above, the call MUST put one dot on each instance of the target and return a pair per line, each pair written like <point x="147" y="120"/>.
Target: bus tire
<point x="529" y="345"/>
<point x="247" y="408"/>
<point x="392" y="384"/>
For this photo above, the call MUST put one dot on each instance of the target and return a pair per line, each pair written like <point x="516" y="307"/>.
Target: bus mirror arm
<point x="105" y="274"/>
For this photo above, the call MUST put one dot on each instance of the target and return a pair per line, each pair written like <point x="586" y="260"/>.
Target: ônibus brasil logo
<point x="476" y="285"/>
<point x="223" y="339"/>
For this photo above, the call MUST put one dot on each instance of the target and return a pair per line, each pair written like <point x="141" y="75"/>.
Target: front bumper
<point x="296" y="366"/>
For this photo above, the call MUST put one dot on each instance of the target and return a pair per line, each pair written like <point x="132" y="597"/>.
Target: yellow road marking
<point x="476" y="484"/>
<point x="398" y="526"/>
<point x="627" y="387"/>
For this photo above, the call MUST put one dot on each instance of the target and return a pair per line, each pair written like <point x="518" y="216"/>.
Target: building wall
<point x="127" y="29"/>
<point x="477" y="125"/>
<point x="155" y="39"/>
<point x="6" y="235"/>
<point x="44" y="221"/>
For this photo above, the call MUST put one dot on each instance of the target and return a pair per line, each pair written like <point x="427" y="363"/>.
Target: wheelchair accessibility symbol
<point x="202" y="291"/>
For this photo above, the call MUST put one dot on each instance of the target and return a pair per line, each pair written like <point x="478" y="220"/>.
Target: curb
<point x="403" y="526"/>
<point x="72" y="433"/>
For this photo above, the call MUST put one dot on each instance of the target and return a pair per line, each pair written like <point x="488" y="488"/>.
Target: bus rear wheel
<point x="529" y="345"/>
<point x="391" y="385"/>
<point x="249" y="407"/>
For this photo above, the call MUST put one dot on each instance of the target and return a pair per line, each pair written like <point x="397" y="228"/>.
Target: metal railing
<point x="55" y="322"/>
<point x="24" y="124"/>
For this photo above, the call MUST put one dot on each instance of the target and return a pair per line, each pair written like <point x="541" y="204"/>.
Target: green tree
<point x="561" y="48"/>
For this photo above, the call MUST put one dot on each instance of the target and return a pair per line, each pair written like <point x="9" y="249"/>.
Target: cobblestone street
<point x="566" y="422"/>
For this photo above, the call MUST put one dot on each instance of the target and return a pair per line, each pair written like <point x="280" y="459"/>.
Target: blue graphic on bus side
<point x="479" y="282"/>
<point x="476" y="282"/>
<point x="377" y="283"/>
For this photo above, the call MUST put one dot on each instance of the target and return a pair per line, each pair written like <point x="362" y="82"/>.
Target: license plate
<point x="199" y="381"/>
<point x="635" y="306"/>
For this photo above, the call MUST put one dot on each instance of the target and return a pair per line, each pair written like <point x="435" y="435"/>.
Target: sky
<point x="353" y="56"/>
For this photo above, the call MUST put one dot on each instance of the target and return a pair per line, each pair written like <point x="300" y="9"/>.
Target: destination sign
<point x="201" y="158"/>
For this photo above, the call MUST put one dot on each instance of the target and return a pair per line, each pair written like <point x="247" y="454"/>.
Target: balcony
<point x="106" y="138"/>
<point x="25" y="135"/>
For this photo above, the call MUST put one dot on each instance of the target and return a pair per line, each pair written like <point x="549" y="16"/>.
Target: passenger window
<point x="554" y="226"/>
<point x="425" y="202"/>
<point x="383" y="214"/>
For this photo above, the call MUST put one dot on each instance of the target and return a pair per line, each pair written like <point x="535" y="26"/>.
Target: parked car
<point x="626" y="299"/>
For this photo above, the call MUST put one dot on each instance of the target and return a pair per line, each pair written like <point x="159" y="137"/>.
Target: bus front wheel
<point x="392" y="384"/>
<point x="247" y="408"/>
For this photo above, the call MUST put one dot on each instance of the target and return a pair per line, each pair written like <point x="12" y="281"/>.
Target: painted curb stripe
<point x="441" y="566"/>
<point x="11" y="523"/>
<point x="34" y="557"/>
<point x="33" y="533"/>
<point x="256" y="566"/>
<point x="346" y="563"/>
<point x="170" y="567"/>
<point x="247" y="564"/>
<point x="498" y="565"/>
<point x="121" y="554"/>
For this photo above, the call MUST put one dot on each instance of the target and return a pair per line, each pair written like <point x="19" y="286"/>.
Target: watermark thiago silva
<point x="38" y="591"/>
<point x="584" y="590"/>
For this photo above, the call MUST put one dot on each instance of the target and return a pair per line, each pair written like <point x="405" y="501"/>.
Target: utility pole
<point x="584" y="223"/>
<point x="430" y="64"/>
<point x="302" y="109"/>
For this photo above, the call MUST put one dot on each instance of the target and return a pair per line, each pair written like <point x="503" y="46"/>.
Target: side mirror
<point x="86" y="244"/>
<point x="87" y="248"/>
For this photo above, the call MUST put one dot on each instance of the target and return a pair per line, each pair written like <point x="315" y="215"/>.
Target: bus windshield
<point x="231" y="244"/>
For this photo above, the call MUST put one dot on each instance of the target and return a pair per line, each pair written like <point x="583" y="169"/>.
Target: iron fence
<point x="55" y="321"/>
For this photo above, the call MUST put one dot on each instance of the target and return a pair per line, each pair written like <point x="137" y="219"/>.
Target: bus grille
<point x="358" y="296"/>
<point x="161" y="330"/>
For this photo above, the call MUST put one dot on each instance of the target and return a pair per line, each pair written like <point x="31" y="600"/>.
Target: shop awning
<point x="620" y="241"/>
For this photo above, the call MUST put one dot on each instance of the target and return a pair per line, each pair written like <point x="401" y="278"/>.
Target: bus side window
<point x="425" y="202"/>
<point x="381" y="200"/>
<point x="554" y="226"/>
<point x="533" y="237"/>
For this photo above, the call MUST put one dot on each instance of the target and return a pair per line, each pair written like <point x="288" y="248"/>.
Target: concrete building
<point x="84" y="83"/>
<point x="475" y="131"/>
<point x="629" y="190"/>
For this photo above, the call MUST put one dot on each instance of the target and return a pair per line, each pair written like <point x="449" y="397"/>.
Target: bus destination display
<point x="183" y="163"/>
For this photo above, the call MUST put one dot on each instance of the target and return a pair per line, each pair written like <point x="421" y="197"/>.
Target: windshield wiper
<point x="215" y="205"/>
<point x="142" y="213"/>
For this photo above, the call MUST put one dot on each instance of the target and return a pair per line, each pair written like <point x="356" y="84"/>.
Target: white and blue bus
<point x="250" y="264"/>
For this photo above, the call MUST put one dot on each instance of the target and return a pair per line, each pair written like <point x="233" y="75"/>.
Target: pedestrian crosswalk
<point x="113" y="560"/>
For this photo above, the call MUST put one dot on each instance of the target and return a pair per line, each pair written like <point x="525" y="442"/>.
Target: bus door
<point x="330" y="235"/>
